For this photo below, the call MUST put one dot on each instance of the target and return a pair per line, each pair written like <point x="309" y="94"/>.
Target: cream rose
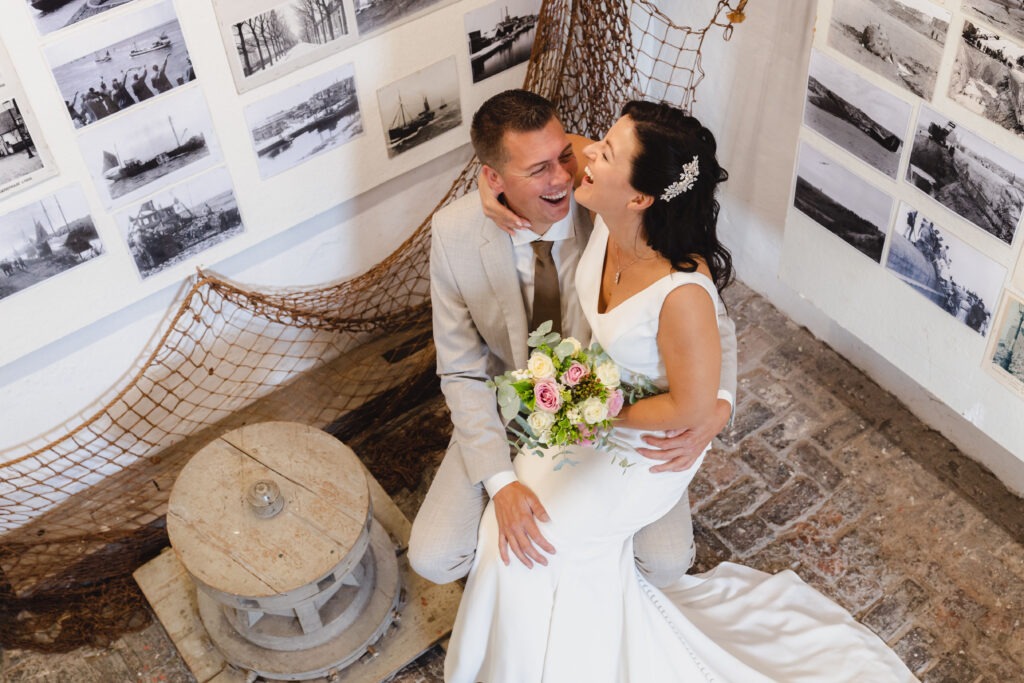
<point x="540" y="366"/>
<point x="574" y="416"/>
<point x="576" y="345"/>
<point x="540" y="422"/>
<point x="593" y="410"/>
<point x="608" y="373"/>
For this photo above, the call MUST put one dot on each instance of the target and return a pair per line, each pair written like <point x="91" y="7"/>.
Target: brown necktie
<point x="547" y="304"/>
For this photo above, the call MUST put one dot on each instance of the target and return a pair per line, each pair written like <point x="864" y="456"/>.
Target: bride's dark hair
<point x="683" y="226"/>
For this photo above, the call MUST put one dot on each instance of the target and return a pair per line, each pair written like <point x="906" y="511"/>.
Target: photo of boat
<point x="500" y="38"/>
<point x="404" y="126"/>
<point x="103" y="58"/>
<point x="161" y="43"/>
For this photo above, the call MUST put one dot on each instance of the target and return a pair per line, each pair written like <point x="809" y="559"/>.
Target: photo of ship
<point x="53" y="15"/>
<point x="304" y="121"/>
<point x="420" y="107"/>
<point x="500" y="36"/>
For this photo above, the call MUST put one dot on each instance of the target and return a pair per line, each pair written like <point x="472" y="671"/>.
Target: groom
<point x="488" y="291"/>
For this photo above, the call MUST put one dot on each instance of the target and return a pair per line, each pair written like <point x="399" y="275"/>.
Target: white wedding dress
<point x="590" y="617"/>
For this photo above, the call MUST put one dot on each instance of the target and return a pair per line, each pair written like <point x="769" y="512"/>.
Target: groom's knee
<point x="436" y="563"/>
<point x="661" y="569"/>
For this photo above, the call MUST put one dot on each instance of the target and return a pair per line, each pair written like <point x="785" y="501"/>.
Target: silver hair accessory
<point x="685" y="183"/>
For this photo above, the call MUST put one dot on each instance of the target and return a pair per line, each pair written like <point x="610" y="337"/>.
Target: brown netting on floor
<point x="81" y="508"/>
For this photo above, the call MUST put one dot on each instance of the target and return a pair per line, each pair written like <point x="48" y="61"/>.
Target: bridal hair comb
<point x="685" y="183"/>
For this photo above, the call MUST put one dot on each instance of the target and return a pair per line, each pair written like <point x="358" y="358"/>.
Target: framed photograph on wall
<point x="266" y="39"/>
<point x="420" y="106"/>
<point x="1005" y="15"/>
<point x="305" y="121"/>
<point x="986" y="76"/>
<point x="181" y="222"/>
<point x="500" y="36"/>
<point x="374" y="16"/>
<point x="944" y="269"/>
<point x="53" y="15"/>
<point x="20" y="161"/>
<point x="861" y="118"/>
<point x="968" y="175"/>
<point x="1005" y="356"/>
<point x="150" y="146"/>
<point x="98" y="77"/>
<point x="900" y="40"/>
<point x="844" y="204"/>
<point x="46" y="238"/>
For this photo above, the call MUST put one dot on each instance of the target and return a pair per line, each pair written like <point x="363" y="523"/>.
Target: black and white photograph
<point x="968" y="175"/>
<point x="500" y="36"/>
<point x="20" y="161"/>
<point x="863" y="119"/>
<point x="1004" y="15"/>
<point x="842" y="203"/>
<point x="271" y="40"/>
<point x="44" y="239"/>
<point x="53" y="15"/>
<point x="174" y="225"/>
<point x="944" y="269"/>
<point x="304" y="121"/>
<point x="1006" y="360"/>
<point x="98" y="78"/>
<point x="380" y="15"/>
<point x="987" y="77"/>
<point x="420" y="107"/>
<point x="170" y="139"/>
<point x="901" y="40"/>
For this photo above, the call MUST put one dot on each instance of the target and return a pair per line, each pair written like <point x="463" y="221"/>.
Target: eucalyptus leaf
<point x="537" y="337"/>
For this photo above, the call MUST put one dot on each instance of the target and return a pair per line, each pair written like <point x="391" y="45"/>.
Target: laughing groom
<point x="488" y="290"/>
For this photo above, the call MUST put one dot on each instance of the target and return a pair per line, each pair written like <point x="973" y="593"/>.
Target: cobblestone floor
<point x="823" y="473"/>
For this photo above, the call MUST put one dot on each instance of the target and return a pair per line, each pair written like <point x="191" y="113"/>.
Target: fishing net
<point x="83" y="506"/>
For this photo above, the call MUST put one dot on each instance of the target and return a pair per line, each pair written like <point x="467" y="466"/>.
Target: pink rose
<point x="615" y="401"/>
<point x="549" y="399"/>
<point x="575" y="373"/>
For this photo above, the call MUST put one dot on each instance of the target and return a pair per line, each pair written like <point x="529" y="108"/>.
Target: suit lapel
<point x="498" y="260"/>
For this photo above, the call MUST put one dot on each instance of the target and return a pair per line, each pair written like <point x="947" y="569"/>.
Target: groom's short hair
<point x="518" y="110"/>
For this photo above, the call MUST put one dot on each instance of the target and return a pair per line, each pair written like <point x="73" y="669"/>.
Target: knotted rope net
<point x="83" y="507"/>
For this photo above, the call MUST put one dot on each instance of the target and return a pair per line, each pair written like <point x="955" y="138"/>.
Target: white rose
<point x="540" y="422"/>
<point x="576" y="346"/>
<point x="608" y="373"/>
<point x="540" y="366"/>
<point x="594" y="410"/>
<point x="574" y="416"/>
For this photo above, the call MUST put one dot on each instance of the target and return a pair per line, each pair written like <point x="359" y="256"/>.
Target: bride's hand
<point x="503" y="217"/>
<point x="680" y="449"/>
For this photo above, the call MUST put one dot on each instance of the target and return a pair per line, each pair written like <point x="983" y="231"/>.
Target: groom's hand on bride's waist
<point x="518" y="509"/>
<point x="680" y="448"/>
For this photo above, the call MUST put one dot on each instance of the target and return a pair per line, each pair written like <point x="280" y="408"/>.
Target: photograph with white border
<point x="420" y="106"/>
<point x="304" y="121"/>
<point x="112" y="66"/>
<point x="844" y="204"/>
<point x="20" y="161"/>
<point x="161" y="142"/>
<point x="970" y="176"/>
<point x="178" y="223"/>
<point x="863" y="119"/>
<point x="1005" y="359"/>
<point x="944" y="269"/>
<point x="53" y="15"/>
<point x="500" y="36"/>
<point x="987" y="77"/>
<point x="266" y="39"/>
<point x="1004" y="15"/>
<point x="373" y="16"/>
<point x="46" y="238"/>
<point x="900" y="40"/>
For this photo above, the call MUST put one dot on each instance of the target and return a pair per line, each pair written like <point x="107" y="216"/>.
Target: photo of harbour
<point x="304" y="121"/>
<point x="53" y="15"/>
<point x="420" y="107"/>
<point x="154" y="143"/>
<point x="380" y="15"/>
<point x="500" y="36"/>
<point x="98" y="78"/>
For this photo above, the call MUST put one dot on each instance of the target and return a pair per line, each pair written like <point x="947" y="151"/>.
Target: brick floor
<point x="824" y="473"/>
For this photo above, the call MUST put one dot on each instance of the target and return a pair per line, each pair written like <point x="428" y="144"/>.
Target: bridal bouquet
<point x="566" y="395"/>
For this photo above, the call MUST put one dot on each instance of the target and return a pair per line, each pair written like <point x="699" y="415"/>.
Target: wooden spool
<point x="295" y="577"/>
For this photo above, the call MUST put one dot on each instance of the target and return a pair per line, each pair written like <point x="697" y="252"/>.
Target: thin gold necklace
<point x="618" y="270"/>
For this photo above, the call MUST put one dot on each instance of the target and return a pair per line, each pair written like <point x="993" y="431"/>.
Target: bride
<point x="648" y="283"/>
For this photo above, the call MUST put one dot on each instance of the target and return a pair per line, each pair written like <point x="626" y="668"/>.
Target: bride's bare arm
<point x="689" y="345"/>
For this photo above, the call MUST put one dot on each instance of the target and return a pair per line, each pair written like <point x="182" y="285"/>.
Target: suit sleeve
<point x="462" y="365"/>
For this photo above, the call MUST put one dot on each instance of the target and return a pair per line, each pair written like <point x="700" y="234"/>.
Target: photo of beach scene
<point x="305" y="120"/>
<point x="500" y="36"/>
<point x="987" y="77"/>
<point x="46" y="238"/>
<point x="160" y="142"/>
<point x="53" y="15"/>
<point x="98" y="78"/>
<point x="420" y="107"/>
